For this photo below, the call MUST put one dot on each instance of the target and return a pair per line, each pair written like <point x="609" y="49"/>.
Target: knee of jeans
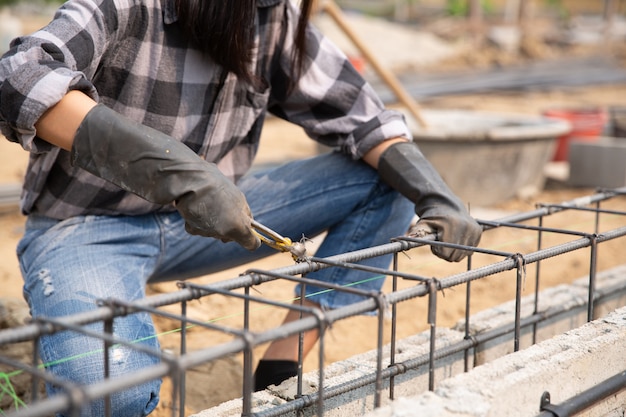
<point x="138" y="401"/>
<point x="80" y="361"/>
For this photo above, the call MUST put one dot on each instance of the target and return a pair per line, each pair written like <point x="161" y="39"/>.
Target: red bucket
<point x="587" y="125"/>
<point x="358" y="63"/>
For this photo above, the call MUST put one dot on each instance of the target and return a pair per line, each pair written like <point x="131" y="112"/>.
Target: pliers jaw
<point x="279" y="242"/>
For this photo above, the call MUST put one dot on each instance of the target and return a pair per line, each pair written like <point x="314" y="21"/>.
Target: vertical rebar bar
<point x="34" y="394"/>
<point x="468" y="292"/>
<point x="248" y="383"/>
<point x="380" y="301"/>
<point x="175" y="377"/>
<point x="246" y="337"/>
<point x="183" y="351"/>
<point x="597" y="218"/>
<point x="108" y="329"/>
<point x="592" y="277"/>
<point x="301" y="349"/>
<point x="521" y="267"/>
<point x="432" y="322"/>
<point x="537" y="279"/>
<point x="320" y="358"/>
<point x="394" y="312"/>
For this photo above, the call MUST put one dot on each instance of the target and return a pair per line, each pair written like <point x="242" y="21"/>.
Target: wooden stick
<point x="330" y="7"/>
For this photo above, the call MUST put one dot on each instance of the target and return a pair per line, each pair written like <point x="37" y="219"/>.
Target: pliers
<point x="279" y="242"/>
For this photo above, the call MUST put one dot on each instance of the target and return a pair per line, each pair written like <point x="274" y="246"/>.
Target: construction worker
<point x="142" y="119"/>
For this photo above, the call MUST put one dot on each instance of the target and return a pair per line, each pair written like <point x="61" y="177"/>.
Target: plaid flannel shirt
<point x="130" y="56"/>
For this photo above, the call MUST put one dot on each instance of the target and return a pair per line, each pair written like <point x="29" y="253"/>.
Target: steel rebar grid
<point x="29" y="332"/>
<point x="185" y="361"/>
<point x="396" y="369"/>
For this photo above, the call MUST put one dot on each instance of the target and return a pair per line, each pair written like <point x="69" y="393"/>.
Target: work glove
<point x="404" y="167"/>
<point x="162" y="170"/>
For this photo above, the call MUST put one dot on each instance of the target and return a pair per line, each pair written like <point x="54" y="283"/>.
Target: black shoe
<point x="273" y="372"/>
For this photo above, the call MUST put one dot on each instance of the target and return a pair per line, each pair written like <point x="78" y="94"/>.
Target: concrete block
<point x="598" y="164"/>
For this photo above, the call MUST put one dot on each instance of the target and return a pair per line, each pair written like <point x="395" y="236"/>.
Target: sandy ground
<point x="221" y="380"/>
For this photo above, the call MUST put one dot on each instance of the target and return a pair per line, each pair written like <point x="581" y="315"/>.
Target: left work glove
<point x="163" y="170"/>
<point x="404" y="167"/>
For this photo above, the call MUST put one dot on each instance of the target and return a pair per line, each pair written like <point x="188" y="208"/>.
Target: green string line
<point x="6" y="388"/>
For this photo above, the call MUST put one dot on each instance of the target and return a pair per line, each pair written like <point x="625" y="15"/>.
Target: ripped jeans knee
<point x="64" y="276"/>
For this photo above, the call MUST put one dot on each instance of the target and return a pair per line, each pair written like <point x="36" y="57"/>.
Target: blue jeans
<point x="68" y="265"/>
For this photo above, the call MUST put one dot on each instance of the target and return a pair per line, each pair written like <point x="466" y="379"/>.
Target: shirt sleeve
<point x="39" y="69"/>
<point x="330" y="100"/>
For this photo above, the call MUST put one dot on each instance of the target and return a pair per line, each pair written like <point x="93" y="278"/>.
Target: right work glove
<point x="404" y="167"/>
<point x="162" y="170"/>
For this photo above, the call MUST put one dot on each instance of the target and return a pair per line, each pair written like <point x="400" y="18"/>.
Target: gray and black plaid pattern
<point x="130" y="55"/>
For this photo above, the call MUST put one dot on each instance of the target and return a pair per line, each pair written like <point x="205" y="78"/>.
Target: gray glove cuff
<point x="136" y="158"/>
<point x="404" y="168"/>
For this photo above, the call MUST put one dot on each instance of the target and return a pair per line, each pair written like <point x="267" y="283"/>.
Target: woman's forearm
<point x="373" y="155"/>
<point x="58" y="125"/>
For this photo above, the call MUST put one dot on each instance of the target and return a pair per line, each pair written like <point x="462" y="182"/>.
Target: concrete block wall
<point x="360" y="400"/>
<point x="411" y="388"/>
<point x="512" y="386"/>
<point x="610" y="286"/>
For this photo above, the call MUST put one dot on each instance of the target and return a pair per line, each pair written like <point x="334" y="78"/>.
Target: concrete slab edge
<point x="512" y="385"/>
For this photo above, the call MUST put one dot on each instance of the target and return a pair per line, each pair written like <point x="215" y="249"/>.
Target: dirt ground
<point x="221" y="380"/>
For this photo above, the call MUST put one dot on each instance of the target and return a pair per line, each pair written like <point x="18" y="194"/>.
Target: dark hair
<point x="224" y="29"/>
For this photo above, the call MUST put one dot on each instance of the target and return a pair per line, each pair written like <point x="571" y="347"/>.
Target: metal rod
<point x="108" y="329"/>
<point x="520" y="276"/>
<point x="592" y="278"/>
<point x="394" y="326"/>
<point x="468" y="292"/>
<point x="537" y="279"/>
<point x="248" y="384"/>
<point x="432" y="322"/>
<point x="380" y="300"/>
<point x="405" y="98"/>
<point x="320" y="359"/>
<point x="587" y="398"/>
<point x="183" y="351"/>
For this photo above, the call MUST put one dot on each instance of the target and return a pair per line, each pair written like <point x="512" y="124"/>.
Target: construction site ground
<point x="219" y="381"/>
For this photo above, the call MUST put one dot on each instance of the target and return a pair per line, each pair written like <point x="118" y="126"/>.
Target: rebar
<point x="244" y="340"/>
